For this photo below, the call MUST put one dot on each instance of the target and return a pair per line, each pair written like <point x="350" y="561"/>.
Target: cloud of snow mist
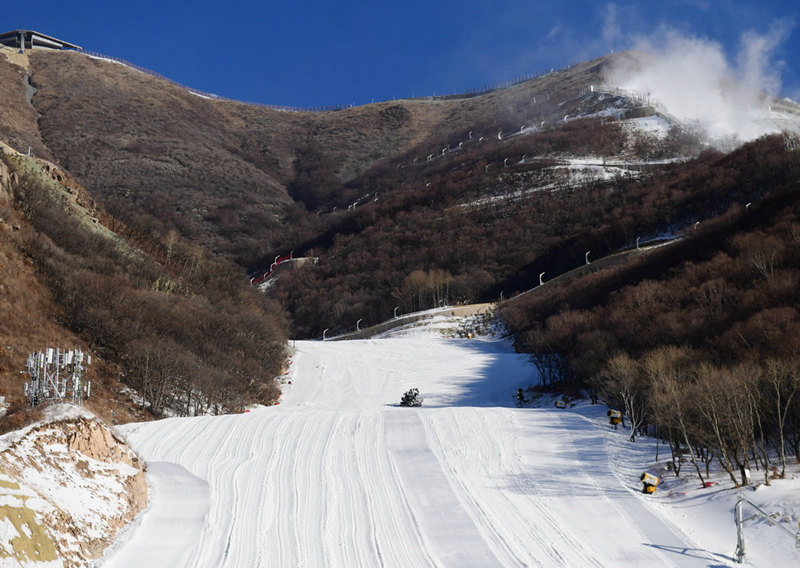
<point x="695" y="81"/>
<point x="611" y="26"/>
<point x="755" y="64"/>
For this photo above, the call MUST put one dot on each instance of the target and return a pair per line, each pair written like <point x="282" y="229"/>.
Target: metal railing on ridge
<point x="470" y="93"/>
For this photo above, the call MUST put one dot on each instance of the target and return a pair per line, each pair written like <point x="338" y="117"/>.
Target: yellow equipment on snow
<point x="649" y="482"/>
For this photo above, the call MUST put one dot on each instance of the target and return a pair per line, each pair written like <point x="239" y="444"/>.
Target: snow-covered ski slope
<point x="339" y="475"/>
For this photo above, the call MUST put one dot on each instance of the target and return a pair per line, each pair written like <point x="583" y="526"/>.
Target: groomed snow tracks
<point x="339" y="475"/>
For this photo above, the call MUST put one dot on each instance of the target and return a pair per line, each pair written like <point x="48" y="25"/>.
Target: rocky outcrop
<point x="66" y="488"/>
<point x="7" y="177"/>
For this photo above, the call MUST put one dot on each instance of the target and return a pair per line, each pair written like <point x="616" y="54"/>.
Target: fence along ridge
<point x="202" y="93"/>
<point x="469" y="93"/>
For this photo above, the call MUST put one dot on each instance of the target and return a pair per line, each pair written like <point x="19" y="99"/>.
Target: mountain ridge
<point x="260" y="151"/>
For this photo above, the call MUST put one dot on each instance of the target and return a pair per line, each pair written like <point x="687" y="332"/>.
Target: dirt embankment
<point x="66" y="488"/>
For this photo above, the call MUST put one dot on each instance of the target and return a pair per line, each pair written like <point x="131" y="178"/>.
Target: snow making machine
<point x="649" y="482"/>
<point x="411" y="398"/>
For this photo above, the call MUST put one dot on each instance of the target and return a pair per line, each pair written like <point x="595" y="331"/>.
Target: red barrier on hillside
<point x="278" y="260"/>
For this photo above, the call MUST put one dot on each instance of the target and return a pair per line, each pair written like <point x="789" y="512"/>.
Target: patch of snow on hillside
<point x="51" y="413"/>
<point x="655" y="125"/>
<point x="64" y="483"/>
<point x="573" y="172"/>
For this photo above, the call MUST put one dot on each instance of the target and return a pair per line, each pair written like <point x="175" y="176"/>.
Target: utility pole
<point x="737" y="512"/>
<point x="740" y="545"/>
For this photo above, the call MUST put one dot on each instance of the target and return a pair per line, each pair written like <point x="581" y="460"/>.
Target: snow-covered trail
<point x="179" y="505"/>
<point x="340" y="475"/>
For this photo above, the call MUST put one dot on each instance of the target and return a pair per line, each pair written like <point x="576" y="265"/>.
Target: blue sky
<point x="310" y="53"/>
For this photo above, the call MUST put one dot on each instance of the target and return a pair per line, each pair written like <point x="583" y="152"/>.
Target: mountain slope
<point x="32" y="317"/>
<point x="223" y="171"/>
<point x="75" y="275"/>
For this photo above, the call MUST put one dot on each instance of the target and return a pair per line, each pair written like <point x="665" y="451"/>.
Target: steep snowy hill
<point x="340" y="475"/>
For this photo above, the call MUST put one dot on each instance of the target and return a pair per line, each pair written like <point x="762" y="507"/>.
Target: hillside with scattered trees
<point x="697" y="340"/>
<point x="163" y="317"/>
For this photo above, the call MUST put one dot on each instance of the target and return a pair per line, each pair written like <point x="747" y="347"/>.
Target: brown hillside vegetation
<point x="252" y="182"/>
<point x="492" y="224"/>
<point x="70" y="281"/>
<point x="700" y="338"/>
<point x="721" y="273"/>
<point x="32" y="319"/>
<point x="224" y="173"/>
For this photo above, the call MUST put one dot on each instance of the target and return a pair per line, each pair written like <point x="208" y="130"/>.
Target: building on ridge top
<point x="29" y="39"/>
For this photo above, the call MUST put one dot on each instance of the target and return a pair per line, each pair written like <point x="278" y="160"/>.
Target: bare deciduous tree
<point x="668" y="369"/>
<point x="782" y="378"/>
<point x="623" y="378"/>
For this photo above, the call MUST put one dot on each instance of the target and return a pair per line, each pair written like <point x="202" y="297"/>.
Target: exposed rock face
<point x="66" y="487"/>
<point x="6" y="176"/>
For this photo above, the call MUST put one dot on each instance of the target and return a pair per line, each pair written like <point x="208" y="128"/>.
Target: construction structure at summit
<point x="29" y="39"/>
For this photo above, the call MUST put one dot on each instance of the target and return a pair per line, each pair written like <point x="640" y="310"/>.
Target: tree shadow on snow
<point x="492" y="383"/>
<point x="573" y="461"/>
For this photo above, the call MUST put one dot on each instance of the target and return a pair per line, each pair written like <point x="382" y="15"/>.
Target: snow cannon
<point x="614" y="417"/>
<point x="411" y="398"/>
<point x="649" y="482"/>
